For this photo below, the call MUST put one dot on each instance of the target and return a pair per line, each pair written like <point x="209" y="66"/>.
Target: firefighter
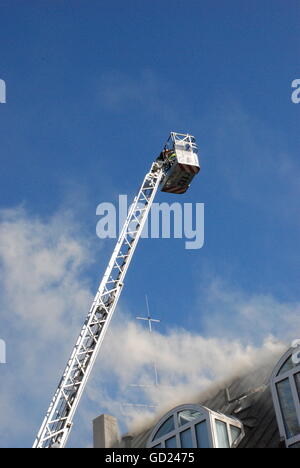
<point x="171" y="156"/>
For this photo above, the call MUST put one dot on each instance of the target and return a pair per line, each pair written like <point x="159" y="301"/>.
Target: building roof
<point x="247" y="398"/>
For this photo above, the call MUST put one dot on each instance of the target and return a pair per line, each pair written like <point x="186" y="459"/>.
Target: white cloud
<point x="233" y="312"/>
<point x="40" y="265"/>
<point x="44" y="296"/>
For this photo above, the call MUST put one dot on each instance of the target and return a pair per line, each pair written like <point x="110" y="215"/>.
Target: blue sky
<point x="93" y="90"/>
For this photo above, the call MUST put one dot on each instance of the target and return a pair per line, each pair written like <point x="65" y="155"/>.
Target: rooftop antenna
<point x="150" y="320"/>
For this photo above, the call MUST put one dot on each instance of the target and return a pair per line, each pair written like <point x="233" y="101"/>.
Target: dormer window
<point x="286" y="397"/>
<point x="193" y="426"/>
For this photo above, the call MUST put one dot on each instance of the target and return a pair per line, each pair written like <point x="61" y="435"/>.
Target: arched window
<point x="286" y="397"/>
<point x="193" y="426"/>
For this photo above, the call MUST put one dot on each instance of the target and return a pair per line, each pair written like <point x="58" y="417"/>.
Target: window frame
<point x="208" y="416"/>
<point x="276" y="378"/>
<point x="229" y="421"/>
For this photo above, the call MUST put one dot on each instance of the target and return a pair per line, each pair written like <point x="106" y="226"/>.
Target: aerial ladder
<point x="172" y="172"/>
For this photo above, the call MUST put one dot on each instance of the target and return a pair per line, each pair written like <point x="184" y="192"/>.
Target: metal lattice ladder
<point x="56" y="427"/>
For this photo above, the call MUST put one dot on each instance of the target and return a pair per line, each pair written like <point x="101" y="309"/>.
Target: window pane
<point x="295" y="445"/>
<point x="186" y="439"/>
<point x="235" y="433"/>
<point x="287" y="366"/>
<point x="288" y="408"/>
<point x="168" y="426"/>
<point x="222" y="435"/>
<point x="202" y="435"/>
<point x="187" y="416"/>
<point x="157" y="446"/>
<point x="171" y="443"/>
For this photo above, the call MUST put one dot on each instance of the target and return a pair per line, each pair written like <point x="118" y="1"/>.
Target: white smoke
<point x="187" y="365"/>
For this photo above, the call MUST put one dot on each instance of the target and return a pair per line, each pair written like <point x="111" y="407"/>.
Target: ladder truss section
<point x="58" y="421"/>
